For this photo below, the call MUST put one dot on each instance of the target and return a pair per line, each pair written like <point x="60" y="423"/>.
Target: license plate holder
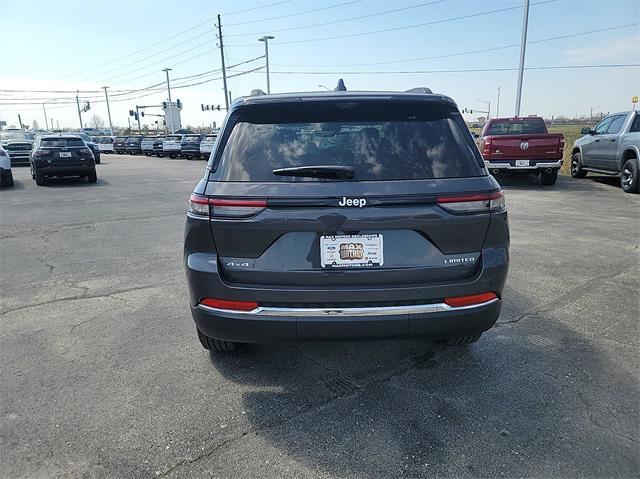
<point x="352" y="251"/>
<point x="522" y="162"/>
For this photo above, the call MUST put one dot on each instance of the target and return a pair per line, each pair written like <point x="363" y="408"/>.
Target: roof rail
<point x="340" y="86"/>
<point x="257" y="92"/>
<point x="421" y="89"/>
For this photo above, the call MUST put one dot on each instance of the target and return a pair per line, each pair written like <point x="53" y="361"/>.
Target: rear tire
<point x="630" y="176"/>
<point x="462" y="340"/>
<point x="7" y="180"/>
<point x="40" y="181"/>
<point x="92" y="177"/>
<point x="217" y="345"/>
<point x="576" y="166"/>
<point x="549" y="178"/>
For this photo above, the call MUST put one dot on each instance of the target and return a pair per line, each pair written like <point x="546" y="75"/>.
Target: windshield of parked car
<point x="379" y="142"/>
<point x="532" y="126"/>
<point x="61" y="142"/>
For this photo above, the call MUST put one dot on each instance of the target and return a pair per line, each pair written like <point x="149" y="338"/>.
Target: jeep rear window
<point x="61" y="142"/>
<point x="192" y="138"/>
<point x="379" y="140"/>
<point x="533" y="126"/>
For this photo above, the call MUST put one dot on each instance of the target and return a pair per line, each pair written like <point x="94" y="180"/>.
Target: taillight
<point x="470" y="300"/>
<point x="84" y="151"/>
<point x="3" y="153"/>
<point x="475" y="203"/>
<point x="229" y="305"/>
<point x="562" y="143"/>
<point x="486" y="147"/>
<point x="225" y="208"/>
<point x="41" y="153"/>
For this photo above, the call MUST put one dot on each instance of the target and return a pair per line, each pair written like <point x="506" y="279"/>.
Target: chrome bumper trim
<point x="537" y="166"/>
<point x="346" y="312"/>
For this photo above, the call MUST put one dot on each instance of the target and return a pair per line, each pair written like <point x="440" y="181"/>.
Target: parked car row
<point x="190" y="146"/>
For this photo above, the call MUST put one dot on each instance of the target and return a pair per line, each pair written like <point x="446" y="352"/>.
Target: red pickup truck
<point x="522" y="144"/>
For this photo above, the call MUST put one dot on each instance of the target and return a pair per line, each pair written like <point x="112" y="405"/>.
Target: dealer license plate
<point x="351" y="251"/>
<point x="522" y="162"/>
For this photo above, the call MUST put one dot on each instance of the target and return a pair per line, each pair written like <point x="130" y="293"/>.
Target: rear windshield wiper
<point x="319" y="171"/>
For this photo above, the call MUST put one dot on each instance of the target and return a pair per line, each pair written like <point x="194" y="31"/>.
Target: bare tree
<point x="97" y="122"/>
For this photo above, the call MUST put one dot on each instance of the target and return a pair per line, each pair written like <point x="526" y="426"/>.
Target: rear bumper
<point x="534" y="165"/>
<point x="71" y="170"/>
<point x="286" y="324"/>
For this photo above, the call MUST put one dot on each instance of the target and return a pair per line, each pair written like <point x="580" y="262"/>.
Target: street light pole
<point x="46" y="122"/>
<point x="78" y="104"/>
<point x="498" y="105"/>
<point x="108" y="109"/>
<point x="523" y="47"/>
<point x="266" y="39"/>
<point x="167" y="70"/>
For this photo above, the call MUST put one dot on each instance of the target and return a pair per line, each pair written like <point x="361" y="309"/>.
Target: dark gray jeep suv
<point x="345" y="215"/>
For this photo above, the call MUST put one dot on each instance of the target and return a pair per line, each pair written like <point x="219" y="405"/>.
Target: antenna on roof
<point x="257" y="92"/>
<point x="340" y="86"/>
<point x="421" y="89"/>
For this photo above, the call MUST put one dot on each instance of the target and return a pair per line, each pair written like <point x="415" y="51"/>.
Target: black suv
<point x="119" y="144"/>
<point x="338" y="215"/>
<point x="61" y="156"/>
<point x="133" y="145"/>
<point x="191" y="146"/>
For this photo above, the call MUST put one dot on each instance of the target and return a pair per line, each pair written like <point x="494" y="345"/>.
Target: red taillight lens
<point x="230" y="305"/>
<point x="471" y="300"/>
<point x="226" y="208"/>
<point x="474" y="203"/>
<point x="486" y="147"/>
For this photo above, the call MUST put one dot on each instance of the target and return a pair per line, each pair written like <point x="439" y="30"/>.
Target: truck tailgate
<point x="547" y="146"/>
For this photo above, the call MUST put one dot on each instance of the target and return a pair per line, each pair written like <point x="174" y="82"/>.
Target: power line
<point x="148" y="56"/>
<point x="261" y="20"/>
<point x="166" y="39"/>
<point x="404" y="27"/>
<point x="461" y="70"/>
<point x="351" y="19"/>
<point x="467" y="52"/>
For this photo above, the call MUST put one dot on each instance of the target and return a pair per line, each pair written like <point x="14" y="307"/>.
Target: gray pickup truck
<point x="612" y="148"/>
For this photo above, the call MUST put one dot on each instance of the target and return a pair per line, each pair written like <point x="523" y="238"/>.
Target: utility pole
<point x="229" y="97"/>
<point x="167" y="70"/>
<point x="498" y="104"/>
<point x="106" y="96"/>
<point x="78" y="104"/>
<point x="46" y="121"/>
<point x="224" y="71"/>
<point x="138" y="118"/>
<point x="523" y="47"/>
<point x="20" y="121"/>
<point x="266" y="39"/>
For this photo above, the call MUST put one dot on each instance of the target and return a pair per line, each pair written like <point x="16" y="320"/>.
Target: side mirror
<point x="586" y="131"/>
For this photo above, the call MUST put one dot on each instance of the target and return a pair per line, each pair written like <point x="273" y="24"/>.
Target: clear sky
<point x="68" y="45"/>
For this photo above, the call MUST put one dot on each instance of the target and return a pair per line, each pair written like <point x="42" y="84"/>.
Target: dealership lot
<point x="103" y="375"/>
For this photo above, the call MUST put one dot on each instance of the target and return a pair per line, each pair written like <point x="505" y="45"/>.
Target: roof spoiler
<point x="421" y="89"/>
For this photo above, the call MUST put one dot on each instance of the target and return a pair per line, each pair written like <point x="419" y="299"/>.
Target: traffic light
<point x="179" y="103"/>
<point x="142" y="113"/>
<point x="132" y="113"/>
<point x="88" y="106"/>
<point x="164" y="105"/>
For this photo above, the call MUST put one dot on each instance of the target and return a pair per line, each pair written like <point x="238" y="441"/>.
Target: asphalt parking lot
<point x="102" y="374"/>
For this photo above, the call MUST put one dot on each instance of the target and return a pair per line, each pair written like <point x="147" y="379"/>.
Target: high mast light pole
<point x="266" y="39"/>
<point x="523" y="47"/>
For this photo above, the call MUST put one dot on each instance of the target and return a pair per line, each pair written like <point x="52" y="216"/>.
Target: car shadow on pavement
<point x="565" y="183"/>
<point x="73" y="182"/>
<point x="532" y="398"/>
<point x="17" y="185"/>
